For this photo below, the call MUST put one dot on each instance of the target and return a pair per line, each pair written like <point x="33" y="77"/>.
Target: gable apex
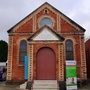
<point x="46" y="4"/>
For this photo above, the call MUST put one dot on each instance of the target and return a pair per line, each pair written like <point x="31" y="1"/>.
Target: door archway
<point x="45" y="64"/>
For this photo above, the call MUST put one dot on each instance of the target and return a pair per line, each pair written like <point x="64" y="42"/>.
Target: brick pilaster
<point x="83" y="59"/>
<point x="61" y="61"/>
<point x="10" y="58"/>
<point x="30" y="68"/>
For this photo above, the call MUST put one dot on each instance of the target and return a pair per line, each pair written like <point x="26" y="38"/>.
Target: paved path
<point x="3" y="86"/>
<point x="87" y="87"/>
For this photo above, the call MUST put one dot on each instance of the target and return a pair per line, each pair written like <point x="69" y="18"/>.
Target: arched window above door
<point x="69" y="50"/>
<point x="22" y="51"/>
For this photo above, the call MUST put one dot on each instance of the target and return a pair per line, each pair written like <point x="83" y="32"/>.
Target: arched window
<point x="22" y="51"/>
<point x="45" y="21"/>
<point x="69" y="50"/>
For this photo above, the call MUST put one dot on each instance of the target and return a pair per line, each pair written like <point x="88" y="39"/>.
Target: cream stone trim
<point x="73" y="33"/>
<point x="44" y="42"/>
<point x="59" y="72"/>
<point x="30" y="62"/>
<point x="28" y="52"/>
<point x="18" y="46"/>
<point x="83" y="59"/>
<point x="84" y="62"/>
<point x="58" y="22"/>
<point x="34" y="23"/>
<point x="19" y="33"/>
<point x="62" y="58"/>
<point x="61" y="61"/>
<point x="10" y="58"/>
<point x="47" y="16"/>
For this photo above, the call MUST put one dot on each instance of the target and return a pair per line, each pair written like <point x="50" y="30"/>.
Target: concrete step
<point x="23" y="86"/>
<point x="44" y="89"/>
<point x="45" y="81"/>
<point x="45" y="85"/>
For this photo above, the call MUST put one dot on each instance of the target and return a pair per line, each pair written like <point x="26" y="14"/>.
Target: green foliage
<point x="3" y="51"/>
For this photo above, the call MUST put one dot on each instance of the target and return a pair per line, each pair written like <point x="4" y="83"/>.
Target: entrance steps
<point x="45" y="85"/>
<point x="23" y="86"/>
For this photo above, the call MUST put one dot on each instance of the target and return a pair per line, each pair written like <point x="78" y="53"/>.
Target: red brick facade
<point x="62" y="26"/>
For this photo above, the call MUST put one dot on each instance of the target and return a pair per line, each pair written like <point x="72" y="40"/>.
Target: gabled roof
<point x="37" y="33"/>
<point x="77" y="25"/>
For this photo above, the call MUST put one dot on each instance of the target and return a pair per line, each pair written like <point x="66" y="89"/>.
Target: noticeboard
<point x="71" y="75"/>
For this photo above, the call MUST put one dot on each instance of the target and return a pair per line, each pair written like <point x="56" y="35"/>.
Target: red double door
<point x="46" y="64"/>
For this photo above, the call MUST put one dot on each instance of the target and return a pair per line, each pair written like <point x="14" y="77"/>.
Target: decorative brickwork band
<point x="10" y="55"/>
<point x="34" y="22"/>
<point x="83" y="59"/>
<point x="61" y="61"/>
<point x="30" y="62"/>
<point x="58" y="23"/>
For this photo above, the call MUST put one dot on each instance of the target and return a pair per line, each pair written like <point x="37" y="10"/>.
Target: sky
<point x="12" y="11"/>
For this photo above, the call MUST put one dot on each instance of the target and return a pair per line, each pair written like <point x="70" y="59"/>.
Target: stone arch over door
<point x="45" y="64"/>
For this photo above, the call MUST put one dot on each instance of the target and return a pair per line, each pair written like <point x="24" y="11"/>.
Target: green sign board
<point x="71" y="75"/>
<point x="70" y="71"/>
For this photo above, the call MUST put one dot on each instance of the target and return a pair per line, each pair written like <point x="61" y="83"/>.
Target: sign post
<point x="71" y="75"/>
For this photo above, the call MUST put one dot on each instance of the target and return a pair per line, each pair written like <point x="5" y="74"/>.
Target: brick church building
<point x="46" y="39"/>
